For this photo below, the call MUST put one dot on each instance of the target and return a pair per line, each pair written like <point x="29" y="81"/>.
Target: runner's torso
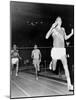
<point x="36" y="53"/>
<point x="14" y="54"/>
<point x="58" y="38"/>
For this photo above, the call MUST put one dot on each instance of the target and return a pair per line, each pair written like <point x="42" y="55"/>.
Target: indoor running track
<point x="25" y="85"/>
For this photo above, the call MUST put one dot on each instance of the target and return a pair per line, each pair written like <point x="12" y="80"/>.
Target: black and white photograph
<point x="41" y="50"/>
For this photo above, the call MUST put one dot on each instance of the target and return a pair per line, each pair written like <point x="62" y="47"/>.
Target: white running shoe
<point x="36" y="78"/>
<point x="16" y="74"/>
<point x="70" y="88"/>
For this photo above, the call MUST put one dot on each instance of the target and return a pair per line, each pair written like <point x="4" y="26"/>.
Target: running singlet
<point x="36" y="53"/>
<point x="58" y="33"/>
<point x="14" y="54"/>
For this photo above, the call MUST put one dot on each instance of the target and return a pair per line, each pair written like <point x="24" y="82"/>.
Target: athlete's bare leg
<point x="35" y="69"/>
<point x="64" y="62"/>
<point x="38" y="67"/>
<point x="12" y="65"/>
<point x="36" y="72"/>
<point x="17" y="66"/>
<point x="54" y="64"/>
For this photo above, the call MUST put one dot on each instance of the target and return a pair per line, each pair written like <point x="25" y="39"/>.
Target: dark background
<point x="31" y="21"/>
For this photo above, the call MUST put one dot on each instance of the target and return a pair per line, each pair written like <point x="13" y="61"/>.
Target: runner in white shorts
<point x="36" y="55"/>
<point x="58" y="51"/>
<point x="15" y="58"/>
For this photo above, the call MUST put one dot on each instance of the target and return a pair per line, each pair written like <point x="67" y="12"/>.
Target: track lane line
<point x="20" y="88"/>
<point x="54" y="80"/>
<point x="59" y="92"/>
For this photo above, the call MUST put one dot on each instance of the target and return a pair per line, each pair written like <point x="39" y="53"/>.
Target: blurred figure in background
<point x="36" y="56"/>
<point x="15" y="58"/>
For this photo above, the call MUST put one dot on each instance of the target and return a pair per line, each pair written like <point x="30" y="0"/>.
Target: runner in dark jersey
<point x="15" y="58"/>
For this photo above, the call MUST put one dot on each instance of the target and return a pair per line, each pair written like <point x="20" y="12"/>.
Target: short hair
<point x="58" y="18"/>
<point x="14" y="45"/>
<point x="35" y="46"/>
